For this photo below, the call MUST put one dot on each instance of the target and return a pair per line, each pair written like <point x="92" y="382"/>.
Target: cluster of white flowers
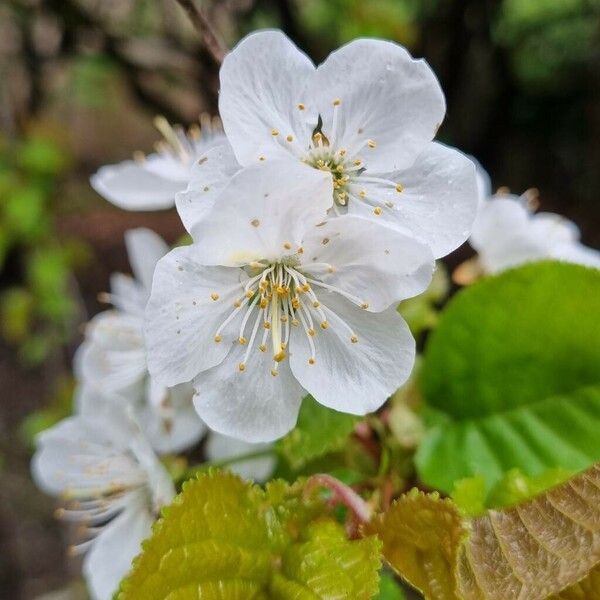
<point x="323" y="204"/>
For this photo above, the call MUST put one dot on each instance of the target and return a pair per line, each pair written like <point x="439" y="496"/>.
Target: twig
<point x="211" y="40"/>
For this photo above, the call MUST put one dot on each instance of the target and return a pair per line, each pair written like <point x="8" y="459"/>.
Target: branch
<point x="211" y="39"/>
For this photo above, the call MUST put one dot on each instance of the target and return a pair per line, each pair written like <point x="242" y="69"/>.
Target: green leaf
<point x="319" y="430"/>
<point x="389" y="589"/>
<point x="512" y="365"/>
<point x="227" y="539"/>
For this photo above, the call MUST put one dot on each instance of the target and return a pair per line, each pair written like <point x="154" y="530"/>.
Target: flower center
<point x="281" y="296"/>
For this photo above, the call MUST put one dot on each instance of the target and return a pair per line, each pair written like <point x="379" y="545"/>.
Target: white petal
<point x="578" y="254"/>
<point x="351" y="377"/>
<point x="130" y="186"/>
<point x="182" y="317"/>
<point x="173" y="426"/>
<point x="127" y="294"/>
<point x="169" y="166"/>
<point x="112" y="552"/>
<point x="220" y="447"/>
<point x="378" y="264"/>
<point x="439" y="199"/>
<point x="209" y="175"/>
<point x="262" y="82"/>
<point x="251" y="405"/>
<point x="113" y="355"/>
<point x="386" y="96"/>
<point x="144" y="248"/>
<point x="263" y="208"/>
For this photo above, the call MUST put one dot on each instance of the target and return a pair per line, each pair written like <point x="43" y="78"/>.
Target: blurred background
<point x="80" y="82"/>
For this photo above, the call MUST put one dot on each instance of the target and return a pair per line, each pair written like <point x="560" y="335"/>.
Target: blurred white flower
<point x="112" y="486"/>
<point x="151" y="182"/>
<point x="366" y="116"/>
<point x="277" y="300"/>
<point x="111" y="362"/>
<point x="508" y="232"/>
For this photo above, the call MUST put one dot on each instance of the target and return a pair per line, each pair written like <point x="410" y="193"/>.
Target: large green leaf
<point x="227" y="539"/>
<point x="319" y="430"/>
<point x="513" y="367"/>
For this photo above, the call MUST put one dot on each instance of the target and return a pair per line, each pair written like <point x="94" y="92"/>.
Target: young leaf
<point x="319" y="430"/>
<point x="546" y="547"/>
<point x="506" y="376"/>
<point x="227" y="539"/>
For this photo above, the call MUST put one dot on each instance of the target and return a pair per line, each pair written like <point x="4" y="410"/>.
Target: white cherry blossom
<point x="366" y="116"/>
<point x="111" y="362"/>
<point x="277" y="301"/>
<point x="151" y="182"/>
<point x="111" y="485"/>
<point x="509" y="232"/>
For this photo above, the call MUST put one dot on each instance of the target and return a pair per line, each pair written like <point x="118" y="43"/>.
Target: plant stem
<point x="209" y="36"/>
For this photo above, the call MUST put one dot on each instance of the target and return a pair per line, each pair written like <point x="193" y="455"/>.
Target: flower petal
<point x="262" y="83"/>
<point x="355" y="378"/>
<point x="263" y="210"/>
<point x="378" y="264"/>
<point x="130" y="186"/>
<point x="251" y="405"/>
<point x="386" y="96"/>
<point x="209" y="175"/>
<point x="438" y="201"/>
<point x="144" y="249"/>
<point x="113" y="551"/>
<point x="221" y="447"/>
<point x="186" y="307"/>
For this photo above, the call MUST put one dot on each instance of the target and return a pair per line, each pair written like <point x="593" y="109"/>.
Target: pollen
<point x="316" y="304"/>
<point x="311" y="332"/>
<point x="255" y="222"/>
<point x="262" y="157"/>
<point x="274" y="372"/>
<point x="364" y="305"/>
<point x="263" y="347"/>
<point x="214" y="296"/>
<point x="287" y="246"/>
<point x="242" y="340"/>
<point x="357" y="162"/>
<point x="324" y="324"/>
<point x="290" y="138"/>
<point x="371" y="143"/>
<point x="242" y="366"/>
<point x="267" y="325"/>
<point x="264" y="303"/>
<point x="249" y="294"/>
<point x="279" y="356"/>
<point x="311" y="361"/>
<point x="295" y="303"/>
<point x="337" y="102"/>
<point x="274" y="132"/>
<point x="362" y="193"/>
<point x="282" y="291"/>
<point x="399" y="188"/>
<point x="377" y="210"/>
<point x="218" y="338"/>
<point x="301" y="106"/>
<point x="354" y="339"/>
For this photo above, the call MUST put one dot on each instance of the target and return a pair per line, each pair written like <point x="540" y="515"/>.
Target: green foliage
<point x="319" y="430"/>
<point x="223" y="538"/>
<point x="511" y="368"/>
<point x="389" y="589"/>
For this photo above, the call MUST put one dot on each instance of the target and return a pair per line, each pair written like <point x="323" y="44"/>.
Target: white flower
<point x="277" y="301"/>
<point x="366" y="116"/>
<point x="508" y="232"/>
<point x="111" y="362"/>
<point x="221" y="447"/>
<point x="151" y="182"/>
<point x="113" y="487"/>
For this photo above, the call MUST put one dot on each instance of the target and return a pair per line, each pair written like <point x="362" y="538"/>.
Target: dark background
<point x="80" y="81"/>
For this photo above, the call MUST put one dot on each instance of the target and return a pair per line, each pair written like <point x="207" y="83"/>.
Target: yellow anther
<point x="324" y="324"/>
<point x="279" y="356"/>
<point x="267" y="325"/>
<point x="371" y="143"/>
<point x="274" y="372"/>
<point x="218" y="338"/>
<point x="281" y="290"/>
<point x="255" y="222"/>
<point x="362" y="193"/>
<point x="311" y="361"/>
<point x="249" y="294"/>
<point x="242" y="367"/>
<point x="399" y="188"/>
<point x="262" y="157"/>
<point x="289" y="138"/>
<point x="342" y="152"/>
<point x="300" y="250"/>
<point x="264" y="303"/>
<point x="306" y="287"/>
<point x="301" y="106"/>
<point x="242" y="340"/>
<point x="214" y="296"/>
<point x="377" y="210"/>
<point x="283" y="319"/>
<point x="262" y="348"/>
<point x="311" y="332"/>
<point x="357" y="162"/>
<point x="274" y="131"/>
<point x="316" y="304"/>
<point x="295" y="322"/>
<point x="364" y="305"/>
<point x="295" y="303"/>
<point x="337" y="102"/>
<point x="237" y="304"/>
<point x="340" y="168"/>
<point x="354" y="339"/>
<point x="287" y="246"/>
